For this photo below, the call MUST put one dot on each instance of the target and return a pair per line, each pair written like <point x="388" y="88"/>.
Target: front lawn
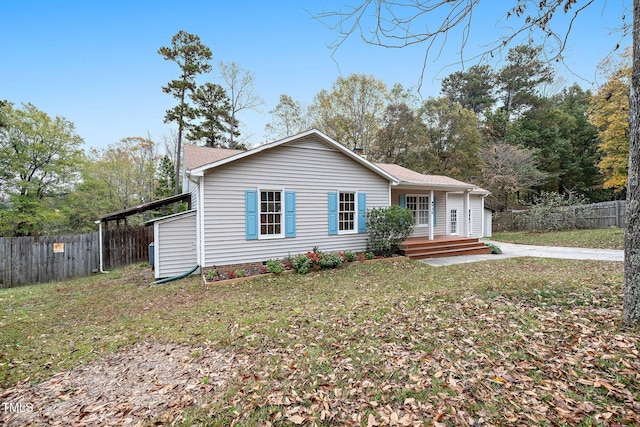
<point x="601" y="238"/>
<point x="522" y="341"/>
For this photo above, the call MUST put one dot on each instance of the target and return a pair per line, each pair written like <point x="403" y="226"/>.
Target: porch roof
<point x="410" y="178"/>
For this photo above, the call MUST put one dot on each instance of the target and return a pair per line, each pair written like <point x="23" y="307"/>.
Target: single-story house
<point x="291" y="195"/>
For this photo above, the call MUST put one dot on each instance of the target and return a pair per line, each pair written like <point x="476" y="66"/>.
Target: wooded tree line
<point x="507" y="130"/>
<point x="49" y="185"/>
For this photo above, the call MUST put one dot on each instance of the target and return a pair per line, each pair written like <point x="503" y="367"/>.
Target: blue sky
<point x="96" y="62"/>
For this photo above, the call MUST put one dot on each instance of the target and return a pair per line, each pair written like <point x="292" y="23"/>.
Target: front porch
<point x="443" y="246"/>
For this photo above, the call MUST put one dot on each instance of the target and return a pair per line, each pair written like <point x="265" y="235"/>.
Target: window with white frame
<point x="419" y="206"/>
<point x="423" y="210"/>
<point x="453" y="220"/>
<point x="271" y="213"/>
<point x="347" y="212"/>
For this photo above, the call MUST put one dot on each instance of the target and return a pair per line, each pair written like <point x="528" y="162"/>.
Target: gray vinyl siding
<point x="308" y="167"/>
<point x="193" y="189"/>
<point x="175" y="245"/>
<point x="423" y="231"/>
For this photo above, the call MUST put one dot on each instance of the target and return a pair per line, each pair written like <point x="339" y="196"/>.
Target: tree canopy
<point x="192" y="57"/>
<point x="39" y="156"/>
<point x="610" y="113"/>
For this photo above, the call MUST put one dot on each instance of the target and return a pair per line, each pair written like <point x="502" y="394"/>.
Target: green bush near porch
<point x="388" y="228"/>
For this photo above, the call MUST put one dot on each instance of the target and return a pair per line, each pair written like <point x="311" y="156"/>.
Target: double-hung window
<point x="419" y="206"/>
<point x="347" y="212"/>
<point x="271" y="213"/>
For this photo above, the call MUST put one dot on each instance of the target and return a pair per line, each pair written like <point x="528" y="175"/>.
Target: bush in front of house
<point x="330" y="260"/>
<point x="388" y="228"/>
<point x="275" y="266"/>
<point x="312" y="260"/>
<point x="318" y="260"/>
<point x="302" y="263"/>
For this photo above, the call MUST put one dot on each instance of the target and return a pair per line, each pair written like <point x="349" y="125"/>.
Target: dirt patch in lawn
<point x="150" y="382"/>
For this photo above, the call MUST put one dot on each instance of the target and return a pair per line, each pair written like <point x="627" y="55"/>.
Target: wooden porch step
<point x="418" y="248"/>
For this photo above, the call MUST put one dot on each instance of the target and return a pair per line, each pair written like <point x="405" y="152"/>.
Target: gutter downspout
<point x="100" y="243"/>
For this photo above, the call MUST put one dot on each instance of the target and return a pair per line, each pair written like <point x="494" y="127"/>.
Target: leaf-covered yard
<point x="520" y="341"/>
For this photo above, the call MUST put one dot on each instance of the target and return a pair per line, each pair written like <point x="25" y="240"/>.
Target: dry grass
<point x="601" y="238"/>
<point x="529" y="341"/>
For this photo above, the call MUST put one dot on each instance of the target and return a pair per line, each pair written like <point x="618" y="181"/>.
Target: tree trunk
<point x="176" y="186"/>
<point x="631" y="303"/>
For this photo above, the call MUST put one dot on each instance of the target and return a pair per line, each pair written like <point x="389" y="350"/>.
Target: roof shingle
<point x="195" y="156"/>
<point x="407" y="175"/>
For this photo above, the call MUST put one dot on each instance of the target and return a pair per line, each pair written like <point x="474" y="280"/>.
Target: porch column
<point x="465" y="208"/>
<point x="482" y="215"/>
<point x="431" y="215"/>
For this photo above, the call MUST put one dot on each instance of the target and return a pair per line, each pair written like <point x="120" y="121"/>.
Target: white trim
<point x="482" y="227"/>
<point x="457" y="222"/>
<point x="355" y="212"/>
<point x="417" y="217"/>
<point x="432" y="214"/>
<point x="200" y="224"/>
<point x="156" y="250"/>
<point x="282" y="216"/>
<point x="465" y="209"/>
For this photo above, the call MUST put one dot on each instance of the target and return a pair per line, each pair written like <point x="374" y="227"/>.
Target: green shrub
<point x="388" y="228"/>
<point x="301" y="263"/>
<point x="275" y="266"/>
<point x="212" y="274"/>
<point x="330" y="260"/>
<point x="349" y="256"/>
<point x="494" y="249"/>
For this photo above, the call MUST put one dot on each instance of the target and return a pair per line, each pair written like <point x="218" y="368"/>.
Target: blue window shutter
<point x="434" y="210"/>
<point x="362" y="212"/>
<point x="251" y="210"/>
<point x="290" y="214"/>
<point x="333" y="213"/>
<point x="403" y="201"/>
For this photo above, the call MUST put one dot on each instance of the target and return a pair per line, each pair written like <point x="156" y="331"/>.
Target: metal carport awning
<point x="123" y="214"/>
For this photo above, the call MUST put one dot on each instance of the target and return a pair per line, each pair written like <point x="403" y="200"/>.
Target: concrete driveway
<point x="512" y="250"/>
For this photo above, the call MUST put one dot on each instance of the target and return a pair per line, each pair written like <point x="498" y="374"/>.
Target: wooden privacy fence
<point x="595" y="215"/>
<point x="25" y="260"/>
<point x="126" y="246"/>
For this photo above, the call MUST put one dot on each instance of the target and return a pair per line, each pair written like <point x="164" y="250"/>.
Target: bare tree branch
<point x="403" y="23"/>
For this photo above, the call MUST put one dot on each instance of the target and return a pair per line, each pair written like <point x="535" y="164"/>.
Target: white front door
<point x="453" y="221"/>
